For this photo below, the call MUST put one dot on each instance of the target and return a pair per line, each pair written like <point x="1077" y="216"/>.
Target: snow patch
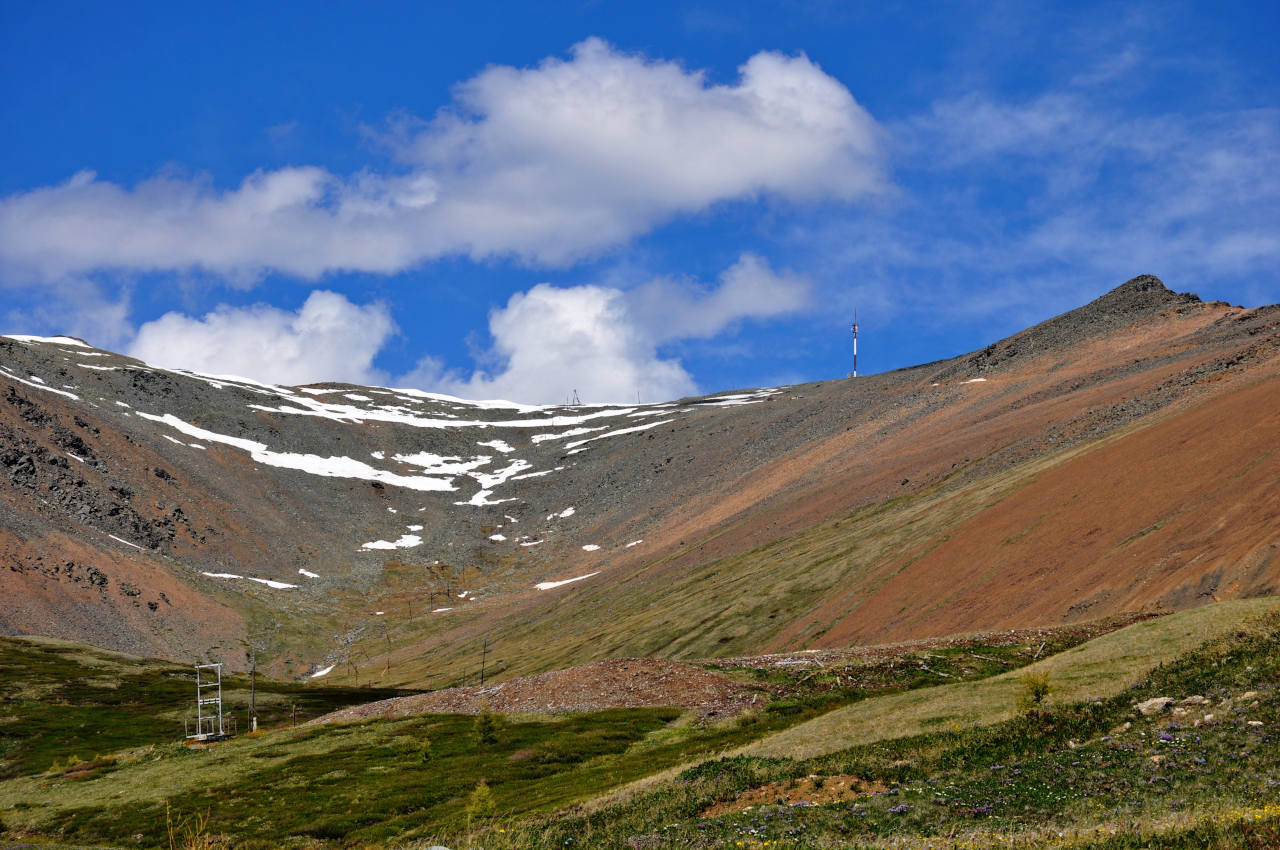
<point x="548" y="585"/>
<point x="328" y="467"/>
<point x="39" y="386"/>
<point x="125" y="542"/>
<point x="57" y="340"/>
<point x="278" y="585"/>
<point x="406" y="541"/>
<point x="573" y="432"/>
<point x="633" y="543"/>
<point x="323" y="672"/>
<point x="618" y="432"/>
<point x="499" y="445"/>
<point x="590" y="547"/>
<point x="497" y="538"/>
<point x="308" y="574"/>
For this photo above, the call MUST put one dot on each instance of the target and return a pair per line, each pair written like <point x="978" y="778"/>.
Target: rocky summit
<point x="1120" y="457"/>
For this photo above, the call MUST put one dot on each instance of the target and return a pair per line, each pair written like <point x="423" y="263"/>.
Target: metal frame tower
<point x="208" y="727"/>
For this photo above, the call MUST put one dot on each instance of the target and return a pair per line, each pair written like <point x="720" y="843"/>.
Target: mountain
<point x="1119" y="457"/>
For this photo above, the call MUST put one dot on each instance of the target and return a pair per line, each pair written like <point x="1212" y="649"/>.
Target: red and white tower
<point x="855" y="345"/>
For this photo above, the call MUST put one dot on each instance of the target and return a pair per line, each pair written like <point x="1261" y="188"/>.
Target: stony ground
<point x="612" y="683"/>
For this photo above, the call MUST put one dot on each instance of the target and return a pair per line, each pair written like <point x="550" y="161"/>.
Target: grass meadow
<point x="92" y="757"/>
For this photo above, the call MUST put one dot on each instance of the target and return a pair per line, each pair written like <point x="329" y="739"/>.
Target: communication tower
<point x="854" y="373"/>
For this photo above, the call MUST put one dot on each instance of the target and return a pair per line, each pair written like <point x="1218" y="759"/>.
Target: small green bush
<point x="480" y="803"/>
<point x="486" y="728"/>
<point x="1035" y="690"/>
<point x="424" y="751"/>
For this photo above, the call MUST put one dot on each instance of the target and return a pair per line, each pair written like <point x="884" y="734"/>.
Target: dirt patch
<point x="811" y="790"/>
<point x="612" y="683"/>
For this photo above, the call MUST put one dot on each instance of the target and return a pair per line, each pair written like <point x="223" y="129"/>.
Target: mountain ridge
<point x="129" y="486"/>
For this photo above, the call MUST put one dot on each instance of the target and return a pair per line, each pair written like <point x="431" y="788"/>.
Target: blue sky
<point x="624" y="199"/>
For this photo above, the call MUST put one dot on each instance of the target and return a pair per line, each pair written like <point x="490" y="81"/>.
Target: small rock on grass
<point x="1156" y="705"/>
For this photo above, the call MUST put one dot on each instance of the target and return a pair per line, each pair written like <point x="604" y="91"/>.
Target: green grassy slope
<point x="372" y="781"/>
<point x="61" y="700"/>
<point x="929" y="767"/>
<point x="1205" y="773"/>
<point x="1100" y="668"/>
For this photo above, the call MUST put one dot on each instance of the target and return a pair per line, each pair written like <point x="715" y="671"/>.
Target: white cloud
<point x="669" y="309"/>
<point x="548" y="163"/>
<point x="1013" y="210"/>
<point x="604" y="342"/>
<point x="327" y="339"/>
<point x="74" y="307"/>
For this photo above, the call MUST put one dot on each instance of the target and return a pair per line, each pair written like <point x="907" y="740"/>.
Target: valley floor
<point x="1154" y="732"/>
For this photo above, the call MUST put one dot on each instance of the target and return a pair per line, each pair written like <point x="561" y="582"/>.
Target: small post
<point x="483" y="655"/>
<point x="387" y="635"/>
<point x="253" y="689"/>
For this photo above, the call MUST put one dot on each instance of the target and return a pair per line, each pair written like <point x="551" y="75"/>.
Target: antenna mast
<point x="855" y="345"/>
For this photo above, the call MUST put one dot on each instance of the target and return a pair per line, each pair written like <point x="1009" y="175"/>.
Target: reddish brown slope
<point x="1179" y="513"/>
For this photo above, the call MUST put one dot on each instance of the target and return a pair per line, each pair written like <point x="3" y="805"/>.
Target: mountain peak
<point x="1141" y="294"/>
<point x="1136" y="299"/>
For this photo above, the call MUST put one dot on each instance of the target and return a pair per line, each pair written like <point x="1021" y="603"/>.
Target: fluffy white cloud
<point x="74" y="307"/>
<point x="604" y="342"/>
<point x="327" y="339"/>
<point x="548" y="163"/>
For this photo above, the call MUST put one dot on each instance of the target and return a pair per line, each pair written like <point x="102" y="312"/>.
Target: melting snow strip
<point x="125" y="542"/>
<point x="548" y="585"/>
<point x="309" y="574"/>
<point x="572" y="432"/>
<point x="329" y="467"/>
<point x="619" y="432"/>
<point x="323" y="672"/>
<point x="278" y="585"/>
<point x="40" y="386"/>
<point x="307" y="406"/>
<point x="590" y="547"/>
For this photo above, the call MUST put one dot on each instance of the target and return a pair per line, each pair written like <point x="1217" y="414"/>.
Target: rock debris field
<point x="612" y="683"/>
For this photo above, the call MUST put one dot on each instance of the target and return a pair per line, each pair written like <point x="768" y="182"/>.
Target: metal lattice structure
<point x="209" y="725"/>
